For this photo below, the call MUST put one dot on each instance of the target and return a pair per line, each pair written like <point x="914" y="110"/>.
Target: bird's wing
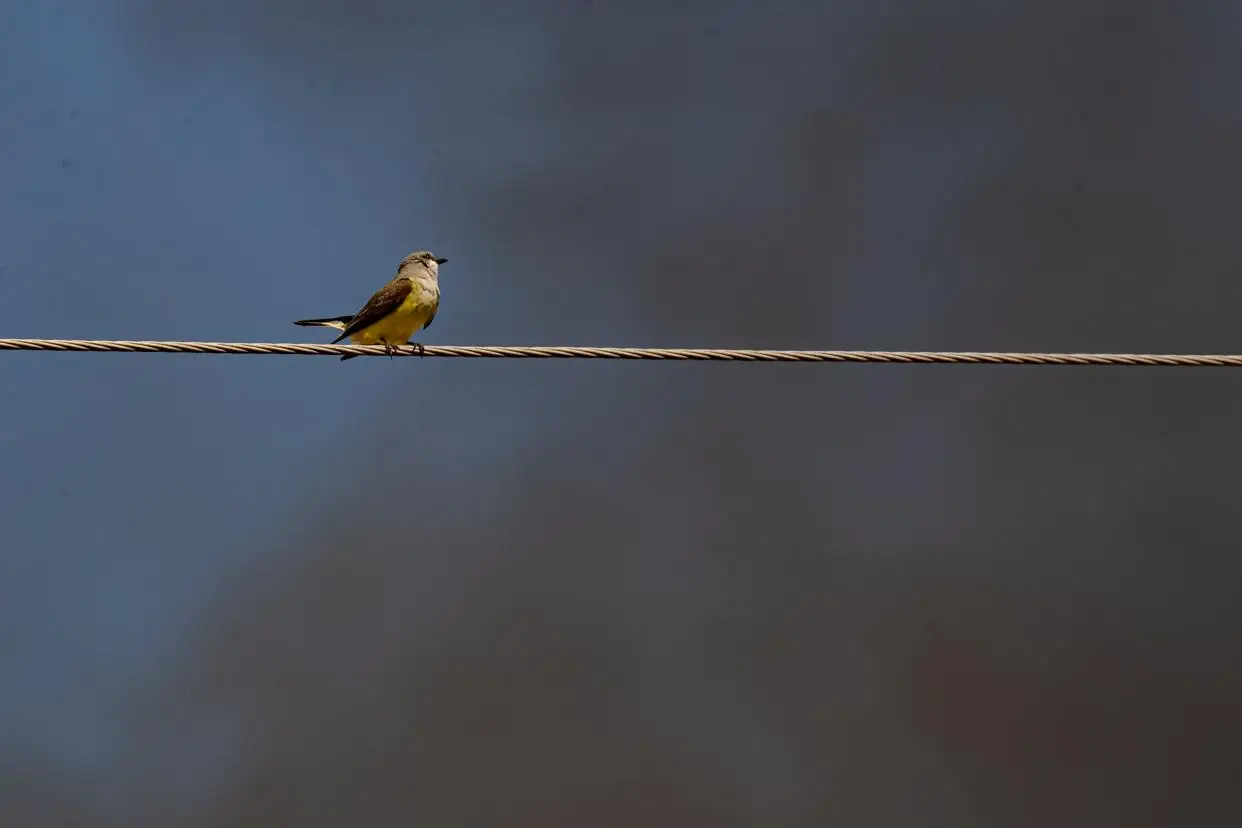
<point x="386" y="300"/>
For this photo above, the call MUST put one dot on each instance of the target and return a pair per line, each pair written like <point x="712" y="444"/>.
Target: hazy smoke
<point x="777" y="595"/>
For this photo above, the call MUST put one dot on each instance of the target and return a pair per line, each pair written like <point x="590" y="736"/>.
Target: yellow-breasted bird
<point x="397" y="311"/>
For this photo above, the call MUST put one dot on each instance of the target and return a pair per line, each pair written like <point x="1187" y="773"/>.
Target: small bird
<point x="397" y="311"/>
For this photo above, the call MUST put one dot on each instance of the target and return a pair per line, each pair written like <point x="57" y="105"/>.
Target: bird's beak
<point x="441" y="261"/>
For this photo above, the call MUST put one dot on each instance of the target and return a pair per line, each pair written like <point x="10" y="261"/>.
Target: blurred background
<point x="288" y="591"/>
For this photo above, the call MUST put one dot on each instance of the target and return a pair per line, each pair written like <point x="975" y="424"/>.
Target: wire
<point x="545" y="352"/>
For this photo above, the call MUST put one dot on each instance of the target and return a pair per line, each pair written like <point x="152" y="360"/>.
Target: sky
<point x="245" y="591"/>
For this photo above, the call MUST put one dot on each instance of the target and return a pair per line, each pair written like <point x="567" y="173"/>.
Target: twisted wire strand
<point x="575" y="352"/>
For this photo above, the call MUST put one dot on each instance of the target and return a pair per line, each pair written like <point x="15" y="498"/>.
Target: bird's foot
<point x="390" y="349"/>
<point x="418" y="348"/>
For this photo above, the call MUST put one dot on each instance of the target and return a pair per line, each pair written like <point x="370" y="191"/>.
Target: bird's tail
<point x="338" y="322"/>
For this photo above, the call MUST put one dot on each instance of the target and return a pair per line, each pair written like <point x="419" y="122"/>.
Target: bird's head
<point x="423" y="259"/>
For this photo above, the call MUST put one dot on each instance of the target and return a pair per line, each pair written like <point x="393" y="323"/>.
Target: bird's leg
<point x="389" y="348"/>
<point x="418" y="348"/>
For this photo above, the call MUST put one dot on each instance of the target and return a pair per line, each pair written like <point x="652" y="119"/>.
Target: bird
<point x="397" y="311"/>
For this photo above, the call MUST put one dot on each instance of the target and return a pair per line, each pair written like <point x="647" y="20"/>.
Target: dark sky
<point x="251" y="592"/>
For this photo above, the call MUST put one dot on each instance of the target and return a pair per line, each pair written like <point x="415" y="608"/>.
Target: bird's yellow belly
<point x="399" y="326"/>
